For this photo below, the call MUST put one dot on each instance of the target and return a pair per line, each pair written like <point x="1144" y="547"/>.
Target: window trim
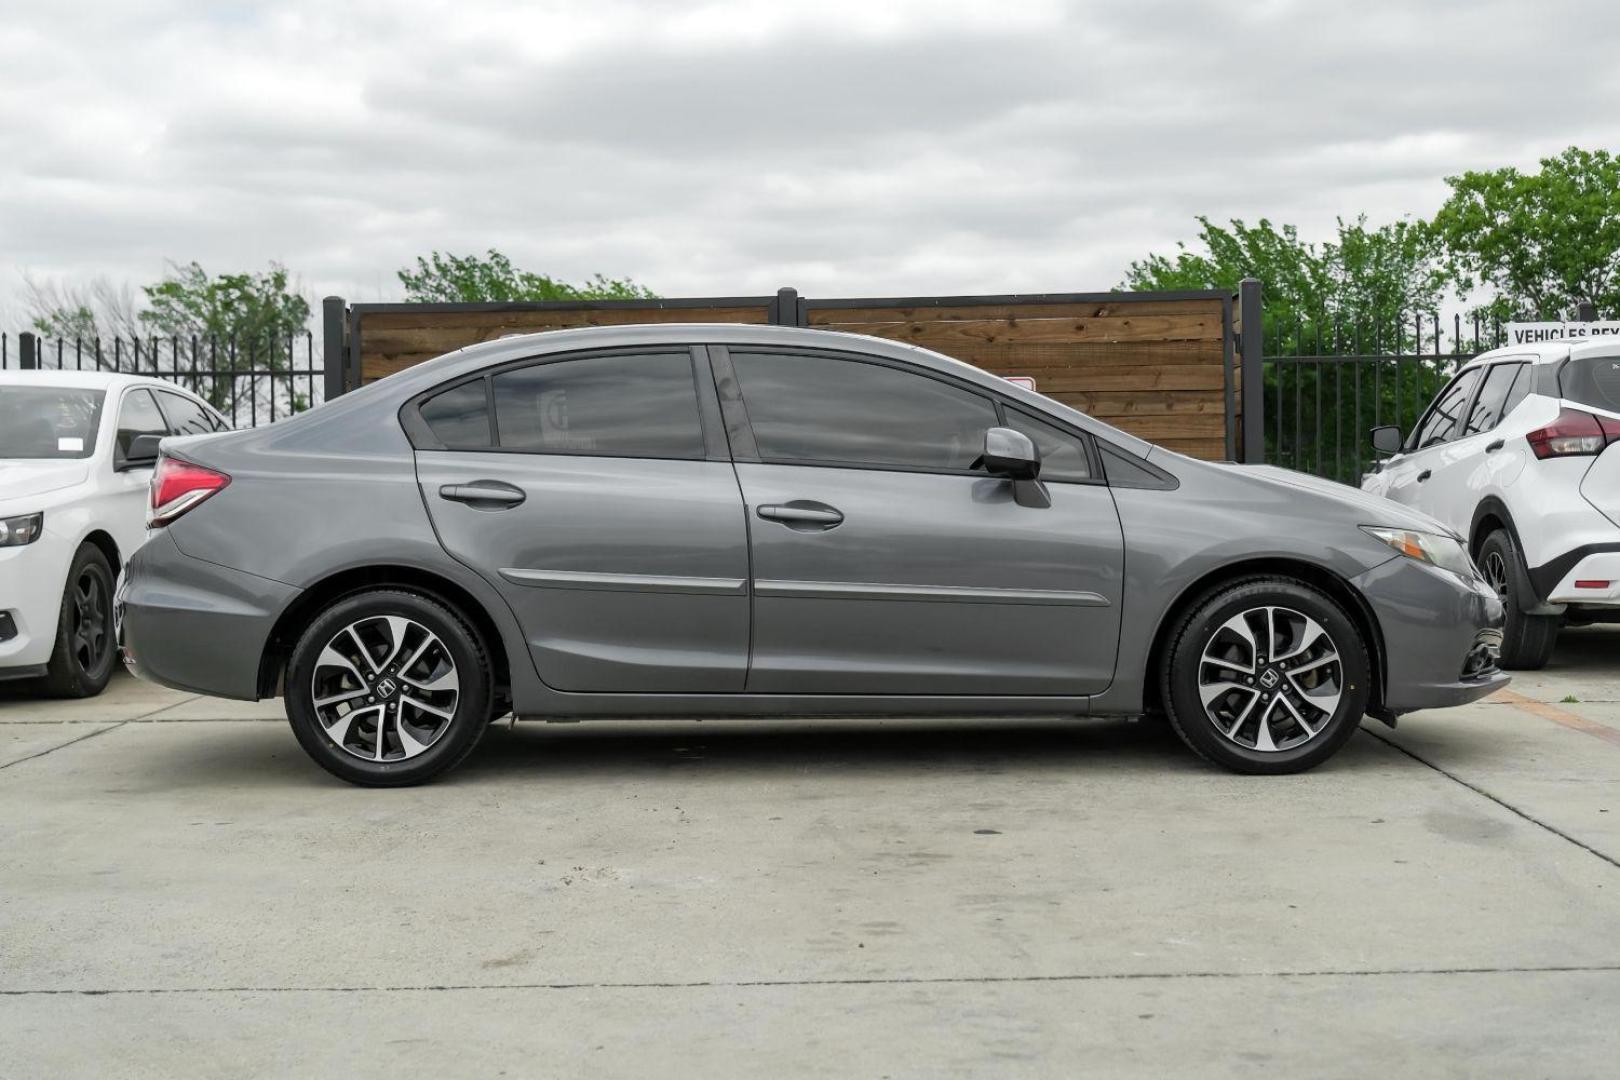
<point x="422" y="438"/>
<point x="745" y="448"/>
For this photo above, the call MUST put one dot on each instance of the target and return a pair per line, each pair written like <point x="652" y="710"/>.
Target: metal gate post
<point x="334" y="345"/>
<point x="1586" y="311"/>
<point x="1251" y="345"/>
<point x="28" y="350"/>
<point x="787" y="309"/>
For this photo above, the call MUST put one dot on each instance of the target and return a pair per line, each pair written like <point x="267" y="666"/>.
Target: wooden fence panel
<point x="1156" y="365"/>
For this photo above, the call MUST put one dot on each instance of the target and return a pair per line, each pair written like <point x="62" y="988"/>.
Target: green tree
<point x="250" y="309"/>
<point x="492" y="278"/>
<point x="1367" y="277"/>
<point x="1540" y="242"/>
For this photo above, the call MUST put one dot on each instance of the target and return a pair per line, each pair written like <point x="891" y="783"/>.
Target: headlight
<point x="17" y="531"/>
<point x="1432" y="548"/>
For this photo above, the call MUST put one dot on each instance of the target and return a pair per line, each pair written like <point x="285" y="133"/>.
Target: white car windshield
<point x="48" y="421"/>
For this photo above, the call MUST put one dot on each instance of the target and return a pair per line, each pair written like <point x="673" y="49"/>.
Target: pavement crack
<point x="880" y="980"/>
<point x="1497" y="799"/>
<point x="63" y="745"/>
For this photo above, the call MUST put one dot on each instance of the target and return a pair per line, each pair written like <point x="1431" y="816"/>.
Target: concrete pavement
<point x="185" y="894"/>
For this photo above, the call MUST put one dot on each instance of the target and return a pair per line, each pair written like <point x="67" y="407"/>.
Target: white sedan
<point x="73" y="494"/>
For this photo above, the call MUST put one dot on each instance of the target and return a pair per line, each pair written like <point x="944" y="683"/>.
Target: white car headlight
<point x="17" y="531"/>
<point x="1432" y="548"/>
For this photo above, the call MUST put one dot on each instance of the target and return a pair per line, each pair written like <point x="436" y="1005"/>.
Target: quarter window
<point x="1441" y="419"/>
<point x="138" y="415"/>
<point x="459" y="417"/>
<point x="824" y="409"/>
<point x="622" y="406"/>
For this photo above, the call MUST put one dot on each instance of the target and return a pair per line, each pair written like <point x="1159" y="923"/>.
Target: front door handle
<point x="809" y="516"/>
<point x="1495" y="446"/>
<point x="483" y="494"/>
<point x="1424" y="475"/>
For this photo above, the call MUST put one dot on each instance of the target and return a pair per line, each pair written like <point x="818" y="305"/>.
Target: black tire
<point x="85" y="652"/>
<point x="1299" y="747"/>
<point x="1527" y="640"/>
<point x="470" y="708"/>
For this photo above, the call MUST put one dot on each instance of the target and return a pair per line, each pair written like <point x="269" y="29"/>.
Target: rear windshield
<point x="1592" y="380"/>
<point x="48" y="421"/>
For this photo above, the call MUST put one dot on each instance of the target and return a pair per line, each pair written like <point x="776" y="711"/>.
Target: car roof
<point x="1549" y="352"/>
<point x="86" y="380"/>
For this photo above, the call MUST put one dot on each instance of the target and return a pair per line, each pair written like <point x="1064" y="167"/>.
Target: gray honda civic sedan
<point x="741" y="521"/>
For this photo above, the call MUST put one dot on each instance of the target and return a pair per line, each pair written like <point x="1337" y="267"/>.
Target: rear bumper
<point x="1556" y="580"/>
<point x="1441" y="635"/>
<point x="194" y="625"/>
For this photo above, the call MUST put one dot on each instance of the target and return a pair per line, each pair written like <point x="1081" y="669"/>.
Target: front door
<point x="884" y="563"/>
<point x="1408" y="475"/>
<point x="594" y="492"/>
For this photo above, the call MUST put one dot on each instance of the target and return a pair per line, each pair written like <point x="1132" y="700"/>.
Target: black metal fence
<point x="251" y="381"/>
<point x="1328" y="384"/>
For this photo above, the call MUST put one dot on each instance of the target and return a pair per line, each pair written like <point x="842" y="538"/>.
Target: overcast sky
<point x="876" y="147"/>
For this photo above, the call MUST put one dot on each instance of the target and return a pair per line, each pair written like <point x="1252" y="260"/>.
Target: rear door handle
<point x="803" y="515"/>
<point x="1424" y="475"/>
<point x="493" y="494"/>
<point x="1495" y="446"/>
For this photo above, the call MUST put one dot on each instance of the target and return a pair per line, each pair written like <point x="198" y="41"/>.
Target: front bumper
<point x="195" y="625"/>
<point x="32" y="578"/>
<point x="1441" y="635"/>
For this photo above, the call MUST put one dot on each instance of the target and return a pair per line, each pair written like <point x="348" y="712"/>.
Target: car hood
<point x="1375" y="509"/>
<point x="21" y="478"/>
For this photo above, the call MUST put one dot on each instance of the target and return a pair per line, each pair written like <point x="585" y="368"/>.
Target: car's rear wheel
<point x="1265" y="675"/>
<point x="1527" y="640"/>
<point x="82" y="661"/>
<point x="387" y="688"/>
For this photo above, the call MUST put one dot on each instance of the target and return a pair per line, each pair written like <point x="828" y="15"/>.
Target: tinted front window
<point x="815" y="408"/>
<point x="48" y="422"/>
<point x="1592" y="381"/>
<point x="186" y="417"/>
<point x="459" y="417"/>
<point x="625" y="406"/>
<point x="1487" y="409"/>
<point x="137" y="416"/>
<point x="1063" y="456"/>
<point x="1441" y="418"/>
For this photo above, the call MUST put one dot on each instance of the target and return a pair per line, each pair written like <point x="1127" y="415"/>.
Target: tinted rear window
<point x="48" y="422"/>
<point x="1593" y="380"/>
<point x="622" y="405"/>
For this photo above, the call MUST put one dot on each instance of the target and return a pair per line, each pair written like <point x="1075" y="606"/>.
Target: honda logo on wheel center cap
<point x="386" y="688"/>
<point x="1270" y="678"/>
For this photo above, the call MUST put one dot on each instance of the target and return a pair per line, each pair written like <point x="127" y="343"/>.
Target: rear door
<point x="594" y="491"/>
<point x="1464" y="462"/>
<point x="885" y="563"/>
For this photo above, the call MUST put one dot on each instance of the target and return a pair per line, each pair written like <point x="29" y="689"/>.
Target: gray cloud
<point x="847" y="148"/>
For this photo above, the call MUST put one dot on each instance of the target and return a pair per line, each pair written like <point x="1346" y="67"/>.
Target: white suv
<point x="74" y="470"/>
<point x="1515" y="454"/>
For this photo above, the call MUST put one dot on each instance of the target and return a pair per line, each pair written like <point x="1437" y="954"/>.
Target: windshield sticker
<point x="69" y="446"/>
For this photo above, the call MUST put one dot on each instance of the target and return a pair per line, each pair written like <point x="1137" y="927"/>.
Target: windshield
<point x="1592" y="380"/>
<point x="48" y="421"/>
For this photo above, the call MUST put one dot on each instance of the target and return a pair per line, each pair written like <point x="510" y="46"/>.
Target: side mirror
<point x="142" y="452"/>
<point x="1010" y="454"/>
<point x="1387" y="439"/>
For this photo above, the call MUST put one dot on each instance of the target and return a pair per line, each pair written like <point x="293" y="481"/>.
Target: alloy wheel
<point x="90" y="638"/>
<point x="1270" y="679"/>
<point x="1495" y="571"/>
<point x="385" y="688"/>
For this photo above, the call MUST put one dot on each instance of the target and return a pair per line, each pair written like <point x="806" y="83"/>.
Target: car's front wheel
<point x="387" y="688"/>
<point x="1265" y="675"/>
<point x="82" y="661"/>
<point x="1527" y="640"/>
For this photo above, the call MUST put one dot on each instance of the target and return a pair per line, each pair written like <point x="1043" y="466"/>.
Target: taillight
<point x="179" y="486"/>
<point x="1574" y="433"/>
